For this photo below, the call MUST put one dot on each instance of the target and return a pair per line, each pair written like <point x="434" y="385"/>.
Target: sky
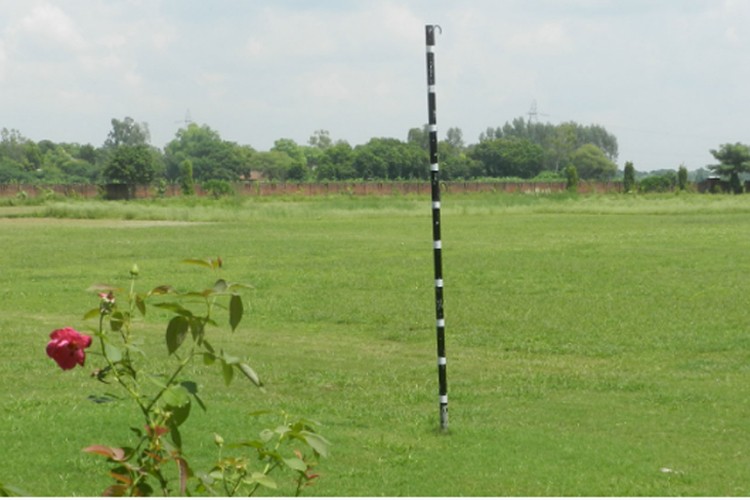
<point x="669" y="78"/>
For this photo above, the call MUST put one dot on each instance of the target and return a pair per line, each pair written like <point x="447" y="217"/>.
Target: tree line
<point x="521" y="148"/>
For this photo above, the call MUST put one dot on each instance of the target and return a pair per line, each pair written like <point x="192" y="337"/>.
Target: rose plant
<point x="154" y="462"/>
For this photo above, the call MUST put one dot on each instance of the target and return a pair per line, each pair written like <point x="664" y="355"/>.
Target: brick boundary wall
<point x="364" y="188"/>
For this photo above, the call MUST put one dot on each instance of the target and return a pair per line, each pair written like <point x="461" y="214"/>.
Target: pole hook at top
<point x="430" y="33"/>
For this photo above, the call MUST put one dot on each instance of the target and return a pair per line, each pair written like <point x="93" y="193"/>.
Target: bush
<point x="657" y="184"/>
<point x="218" y="188"/>
<point x="571" y="178"/>
<point x="628" y="180"/>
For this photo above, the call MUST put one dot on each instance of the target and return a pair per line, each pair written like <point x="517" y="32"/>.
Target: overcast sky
<point x="669" y="78"/>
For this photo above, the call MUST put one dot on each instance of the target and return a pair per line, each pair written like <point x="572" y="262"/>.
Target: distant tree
<point x="187" y="183"/>
<point x="320" y="139"/>
<point x="734" y="160"/>
<point x="336" y="163"/>
<point x="628" y="180"/>
<point x="419" y="137"/>
<point x="455" y="138"/>
<point x="571" y="178"/>
<point x="682" y="178"/>
<point x="211" y="156"/>
<point x="273" y="165"/>
<point x="132" y="166"/>
<point x="658" y="183"/>
<point x="297" y="170"/>
<point x="388" y="158"/>
<point x="592" y="163"/>
<point x="560" y="146"/>
<point x="127" y="132"/>
<point x="509" y="157"/>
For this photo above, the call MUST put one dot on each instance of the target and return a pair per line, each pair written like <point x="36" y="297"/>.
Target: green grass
<point x="597" y="346"/>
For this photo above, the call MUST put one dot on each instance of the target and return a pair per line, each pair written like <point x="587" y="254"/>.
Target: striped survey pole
<point x="436" y="241"/>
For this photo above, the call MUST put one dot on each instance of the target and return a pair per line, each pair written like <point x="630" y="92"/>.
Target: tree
<point x="273" y="165"/>
<point x="592" y="163"/>
<point x="682" y="177"/>
<point x="211" y="156"/>
<point x="297" y="170"/>
<point x="127" y="133"/>
<point x="734" y="159"/>
<point x="509" y="157"/>
<point x="132" y="166"/>
<point x="187" y="183"/>
<point x="571" y="178"/>
<point x="455" y="137"/>
<point x="387" y="158"/>
<point x="419" y="137"/>
<point x="628" y="180"/>
<point x="336" y="162"/>
<point x="320" y="139"/>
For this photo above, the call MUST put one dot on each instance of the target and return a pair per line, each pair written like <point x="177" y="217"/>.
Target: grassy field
<point x="597" y="346"/>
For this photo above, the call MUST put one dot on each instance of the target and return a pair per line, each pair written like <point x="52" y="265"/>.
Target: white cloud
<point x="48" y="22"/>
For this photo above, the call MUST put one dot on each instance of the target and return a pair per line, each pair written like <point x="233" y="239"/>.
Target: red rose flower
<point x="67" y="347"/>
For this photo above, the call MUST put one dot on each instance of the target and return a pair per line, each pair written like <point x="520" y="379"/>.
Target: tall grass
<point x="596" y="345"/>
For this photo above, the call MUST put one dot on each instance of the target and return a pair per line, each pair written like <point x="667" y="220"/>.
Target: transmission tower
<point x="534" y="113"/>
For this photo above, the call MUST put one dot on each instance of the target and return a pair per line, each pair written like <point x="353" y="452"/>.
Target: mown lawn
<point x="597" y="346"/>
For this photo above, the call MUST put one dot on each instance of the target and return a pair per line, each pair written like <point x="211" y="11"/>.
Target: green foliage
<point x="187" y="184"/>
<point x="571" y="178"/>
<point x="165" y="398"/>
<point x="384" y="158"/>
<point x="592" y="163"/>
<point x="336" y="163"/>
<point x="131" y="165"/>
<point x="558" y="141"/>
<point x="628" y="180"/>
<point x="682" y="178"/>
<point x="734" y="160"/>
<point x="127" y="132"/>
<point x="658" y="183"/>
<point x="211" y="156"/>
<point x="509" y="158"/>
<point x="218" y="188"/>
<point x="296" y="169"/>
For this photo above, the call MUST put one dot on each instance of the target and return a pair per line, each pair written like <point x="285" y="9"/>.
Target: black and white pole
<point x="436" y="240"/>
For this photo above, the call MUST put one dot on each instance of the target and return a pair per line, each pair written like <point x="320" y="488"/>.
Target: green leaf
<point x="229" y="359"/>
<point x="236" y="309"/>
<point x="220" y="286"/>
<point x="262" y="479"/>
<point x="192" y="389"/>
<point x="176" y="396"/>
<point x="209" y="263"/>
<point x="208" y="358"/>
<point x="227" y="371"/>
<point x="140" y="304"/>
<point x="112" y="353"/>
<point x="295" y="463"/>
<point x="176" y="333"/>
<point x="116" y="321"/>
<point x="175" y="308"/>
<point x="250" y="373"/>
<point x="316" y="442"/>
<point x="162" y="290"/>
<point x="266" y="435"/>
<point x="93" y="313"/>
<point x="196" y="329"/>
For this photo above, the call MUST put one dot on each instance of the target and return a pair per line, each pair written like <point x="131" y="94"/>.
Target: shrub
<point x="218" y="188"/>
<point x="571" y="178"/>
